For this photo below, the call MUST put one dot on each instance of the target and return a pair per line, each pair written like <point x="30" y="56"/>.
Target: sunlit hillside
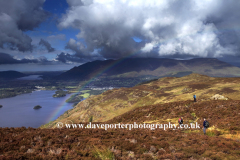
<point x="115" y="102"/>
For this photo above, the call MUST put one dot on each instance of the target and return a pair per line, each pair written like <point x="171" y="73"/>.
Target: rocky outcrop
<point x="218" y="97"/>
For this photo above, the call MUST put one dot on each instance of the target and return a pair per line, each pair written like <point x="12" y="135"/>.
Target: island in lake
<point x="37" y="107"/>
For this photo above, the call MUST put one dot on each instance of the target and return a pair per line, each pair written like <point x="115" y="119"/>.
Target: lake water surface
<point x="18" y="111"/>
<point x="31" y="77"/>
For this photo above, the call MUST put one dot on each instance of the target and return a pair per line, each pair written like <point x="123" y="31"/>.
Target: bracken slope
<point x="221" y="142"/>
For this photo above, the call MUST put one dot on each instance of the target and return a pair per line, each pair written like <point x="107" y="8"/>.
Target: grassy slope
<point x="200" y="69"/>
<point x="115" y="102"/>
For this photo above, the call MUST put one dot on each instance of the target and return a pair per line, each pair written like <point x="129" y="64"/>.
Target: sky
<point x="49" y="35"/>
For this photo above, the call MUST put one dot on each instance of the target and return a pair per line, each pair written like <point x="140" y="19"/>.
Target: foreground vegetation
<point x="137" y="143"/>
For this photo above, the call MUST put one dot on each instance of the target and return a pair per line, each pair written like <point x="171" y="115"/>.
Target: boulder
<point x="218" y="97"/>
<point x="1" y="106"/>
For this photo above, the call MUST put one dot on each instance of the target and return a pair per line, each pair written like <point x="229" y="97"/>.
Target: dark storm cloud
<point x="77" y="47"/>
<point x="195" y="28"/>
<point x="85" y="54"/>
<point x="17" y="16"/>
<point x="68" y="58"/>
<point x="65" y="57"/>
<point x="47" y="45"/>
<point x="226" y="19"/>
<point x="125" y="47"/>
<point x="73" y="3"/>
<point x="8" y="59"/>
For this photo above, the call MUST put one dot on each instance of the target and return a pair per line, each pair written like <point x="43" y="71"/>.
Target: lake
<point x="18" y="111"/>
<point x="30" y="77"/>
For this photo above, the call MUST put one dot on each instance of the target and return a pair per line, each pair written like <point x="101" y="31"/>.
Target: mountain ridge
<point x="156" y="67"/>
<point x="11" y="74"/>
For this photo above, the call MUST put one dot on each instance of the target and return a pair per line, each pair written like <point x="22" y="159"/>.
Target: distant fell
<point x="11" y="75"/>
<point x="155" y="67"/>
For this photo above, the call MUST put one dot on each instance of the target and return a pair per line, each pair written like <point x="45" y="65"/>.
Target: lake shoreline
<point x="18" y="111"/>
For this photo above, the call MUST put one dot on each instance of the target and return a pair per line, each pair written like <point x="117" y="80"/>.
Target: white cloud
<point x="192" y="27"/>
<point x="148" y="47"/>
